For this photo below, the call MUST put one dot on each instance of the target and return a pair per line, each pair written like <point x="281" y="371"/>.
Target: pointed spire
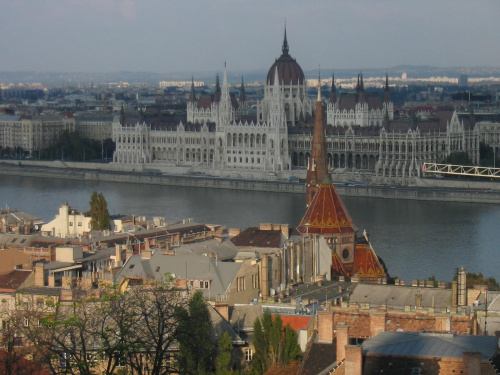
<point x="224" y="80"/>
<point x="285" y="44"/>
<point x="361" y="97"/>
<point x="319" y="86"/>
<point x="387" y="95"/>
<point x="333" y="91"/>
<point x="317" y="166"/>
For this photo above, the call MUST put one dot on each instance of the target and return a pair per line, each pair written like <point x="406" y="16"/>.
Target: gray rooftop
<point x="189" y="267"/>
<point x="422" y="344"/>
<point x="8" y="118"/>
<point x="400" y="296"/>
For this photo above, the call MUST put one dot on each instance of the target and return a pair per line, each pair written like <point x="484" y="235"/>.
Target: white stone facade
<point x="232" y="145"/>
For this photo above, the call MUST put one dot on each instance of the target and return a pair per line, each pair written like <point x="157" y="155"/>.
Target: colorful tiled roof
<point x="326" y="213"/>
<point x="366" y="264"/>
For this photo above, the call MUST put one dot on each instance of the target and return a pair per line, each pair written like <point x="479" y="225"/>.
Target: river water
<point x="416" y="239"/>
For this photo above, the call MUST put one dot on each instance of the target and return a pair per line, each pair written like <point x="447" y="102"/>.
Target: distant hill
<point x="250" y="76"/>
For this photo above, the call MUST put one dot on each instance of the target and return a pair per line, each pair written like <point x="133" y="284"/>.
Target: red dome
<point x="289" y="71"/>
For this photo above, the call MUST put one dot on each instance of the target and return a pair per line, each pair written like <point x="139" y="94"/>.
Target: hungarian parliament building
<point x="220" y="138"/>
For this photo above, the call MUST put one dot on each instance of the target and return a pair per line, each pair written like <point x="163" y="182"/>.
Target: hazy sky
<point x="199" y="35"/>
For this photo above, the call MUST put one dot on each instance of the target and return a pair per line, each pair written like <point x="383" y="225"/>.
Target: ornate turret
<point x="333" y="91"/>
<point x="317" y="166"/>
<point x="289" y="71"/>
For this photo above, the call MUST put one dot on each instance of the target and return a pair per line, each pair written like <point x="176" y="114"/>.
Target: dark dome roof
<point x="289" y="71"/>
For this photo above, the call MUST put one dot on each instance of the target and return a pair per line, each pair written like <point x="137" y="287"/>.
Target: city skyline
<point x="167" y="37"/>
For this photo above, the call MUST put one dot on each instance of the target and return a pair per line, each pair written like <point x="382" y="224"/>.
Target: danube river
<point x="416" y="239"/>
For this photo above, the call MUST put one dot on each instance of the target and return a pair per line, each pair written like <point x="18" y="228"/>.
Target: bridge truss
<point x="460" y="170"/>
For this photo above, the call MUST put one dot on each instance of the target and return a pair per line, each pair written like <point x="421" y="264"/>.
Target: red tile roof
<point x="326" y="213"/>
<point x="366" y="264"/>
<point x="297" y="322"/>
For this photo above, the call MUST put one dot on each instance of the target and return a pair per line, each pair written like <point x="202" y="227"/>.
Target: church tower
<point x="317" y="165"/>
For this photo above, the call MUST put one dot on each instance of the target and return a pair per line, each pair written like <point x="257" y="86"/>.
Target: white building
<point x="217" y="136"/>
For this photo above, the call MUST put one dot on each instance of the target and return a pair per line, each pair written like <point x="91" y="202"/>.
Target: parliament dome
<point x="289" y="71"/>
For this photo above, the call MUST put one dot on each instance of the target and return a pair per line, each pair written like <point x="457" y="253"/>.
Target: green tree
<point x="292" y="349"/>
<point x="274" y="347"/>
<point x="223" y="362"/>
<point x="458" y="158"/>
<point x="276" y="342"/>
<point x="196" y="348"/>
<point x="261" y="345"/>
<point x="99" y="214"/>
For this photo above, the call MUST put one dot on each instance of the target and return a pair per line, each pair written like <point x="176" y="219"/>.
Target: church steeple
<point x="317" y="165"/>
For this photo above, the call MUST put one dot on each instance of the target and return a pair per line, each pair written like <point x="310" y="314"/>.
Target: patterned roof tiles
<point x="326" y="214"/>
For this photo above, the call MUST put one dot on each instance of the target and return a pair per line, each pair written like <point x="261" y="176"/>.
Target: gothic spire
<point x="285" y="44"/>
<point x="317" y="165"/>
<point x="242" y="91"/>
<point x="361" y="98"/>
<point x="387" y="95"/>
<point x="333" y="91"/>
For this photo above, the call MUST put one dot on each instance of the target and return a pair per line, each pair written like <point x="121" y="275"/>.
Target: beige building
<point x="96" y="127"/>
<point x="32" y="133"/>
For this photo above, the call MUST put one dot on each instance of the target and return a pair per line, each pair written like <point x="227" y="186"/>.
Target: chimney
<point x="146" y="254"/>
<point x="325" y="326"/>
<point x="39" y="275"/>
<point x="265" y="226"/>
<point x="232" y="232"/>
<point x="118" y="255"/>
<point x="223" y="309"/>
<point x="472" y="363"/>
<point x="342" y="341"/>
<point x="353" y="359"/>
<point x="454" y="294"/>
<point x="377" y="323"/>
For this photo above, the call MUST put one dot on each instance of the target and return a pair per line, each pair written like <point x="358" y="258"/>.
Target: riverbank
<point x="421" y="189"/>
